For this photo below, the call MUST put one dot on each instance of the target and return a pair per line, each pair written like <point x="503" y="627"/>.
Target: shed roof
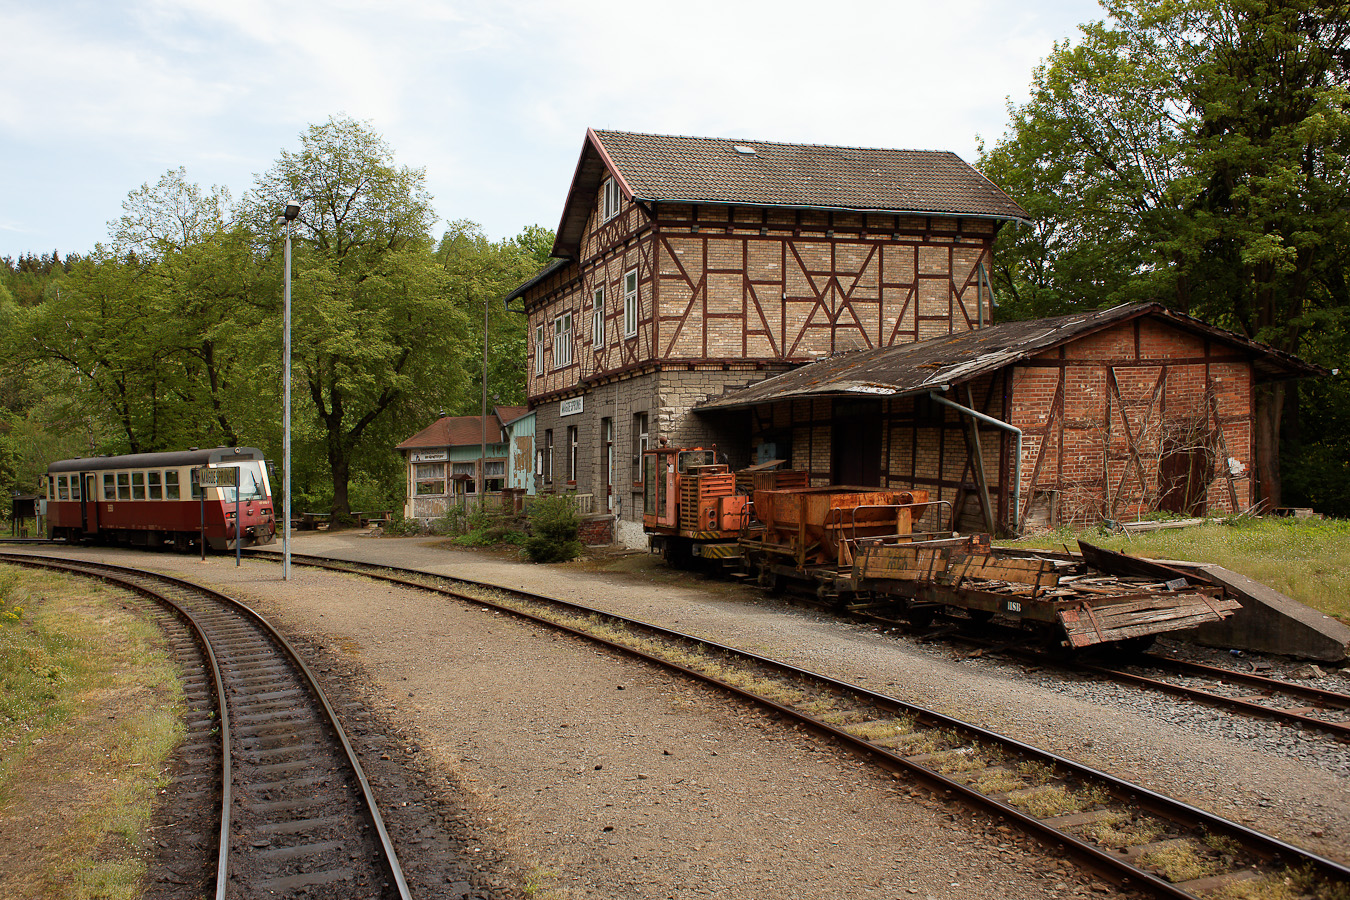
<point x="916" y="368"/>
<point x="463" y="431"/>
<point x="679" y="169"/>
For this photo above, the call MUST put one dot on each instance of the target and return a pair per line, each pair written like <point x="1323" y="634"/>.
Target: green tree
<point x="1194" y="152"/>
<point x="375" y="332"/>
<point x="483" y="273"/>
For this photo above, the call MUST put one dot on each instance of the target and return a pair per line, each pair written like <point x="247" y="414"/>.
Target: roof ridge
<point x="770" y="143"/>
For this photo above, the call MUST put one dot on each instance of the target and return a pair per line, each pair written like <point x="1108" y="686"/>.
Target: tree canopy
<point x="1192" y="152"/>
<point x="171" y="336"/>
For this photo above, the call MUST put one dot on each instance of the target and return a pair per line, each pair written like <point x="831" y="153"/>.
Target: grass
<point x="1306" y="559"/>
<point x="90" y="709"/>
<point x="1179" y="861"/>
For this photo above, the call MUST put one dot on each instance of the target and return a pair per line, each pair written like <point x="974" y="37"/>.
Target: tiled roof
<point x="768" y="173"/>
<point x="677" y="169"/>
<point x="906" y="369"/>
<point x="454" y="431"/>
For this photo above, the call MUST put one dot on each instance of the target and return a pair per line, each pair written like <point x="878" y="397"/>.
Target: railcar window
<point x="75" y="487"/>
<point x="123" y="485"/>
<point x="62" y="489"/>
<point x="109" y="486"/>
<point x="152" y="482"/>
<point x="250" y="485"/>
<point x="137" y="485"/>
<point x="196" y="488"/>
<point x="171" y="485"/>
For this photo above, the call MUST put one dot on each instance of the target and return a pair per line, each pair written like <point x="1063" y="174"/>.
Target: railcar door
<point x="89" y="503"/>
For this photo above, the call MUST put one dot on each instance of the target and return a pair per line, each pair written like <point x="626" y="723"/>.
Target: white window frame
<point x="612" y="200"/>
<point x="562" y="340"/>
<point x="630" y="303"/>
<point x="598" y="317"/>
<point x="539" y="334"/>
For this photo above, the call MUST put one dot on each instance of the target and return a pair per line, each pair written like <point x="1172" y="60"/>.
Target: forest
<point x="171" y="335"/>
<point x="1192" y="152"/>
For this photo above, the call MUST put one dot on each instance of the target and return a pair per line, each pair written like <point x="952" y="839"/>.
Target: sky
<point x="491" y="99"/>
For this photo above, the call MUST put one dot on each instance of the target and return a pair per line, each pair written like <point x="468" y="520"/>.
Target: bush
<point x="488" y="526"/>
<point x="554" y="524"/>
<point x="402" y="527"/>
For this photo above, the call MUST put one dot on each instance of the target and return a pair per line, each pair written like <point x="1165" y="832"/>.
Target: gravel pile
<point x="596" y="777"/>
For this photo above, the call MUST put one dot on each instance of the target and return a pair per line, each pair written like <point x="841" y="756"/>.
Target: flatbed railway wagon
<point x="156" y="500"/>
<point x="855" y="547"/>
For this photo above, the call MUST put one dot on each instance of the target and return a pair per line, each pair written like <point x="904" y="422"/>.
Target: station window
<point x="630" y="303"/>
<point x="539" y="349"/>
<point x="598" y="317"/>
<point x="109" y="486"/>
<point x="123" y="485"/>
<point x="639" y="443"/>
<point x="171" y="484"/>
<point x="429" y="478"/>
<point x="612" y="199"/>
<point x="137" y="485"/>
<point x="152" y="484"/>
<point x="572" y="454"/>
<point x="562" y="340"/>
<point x="548" y="456"/>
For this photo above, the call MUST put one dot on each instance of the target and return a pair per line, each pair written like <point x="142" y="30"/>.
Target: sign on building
<point x="570" y="407"/>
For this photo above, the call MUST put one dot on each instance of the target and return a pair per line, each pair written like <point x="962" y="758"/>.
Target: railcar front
<point x="157" y="499"/>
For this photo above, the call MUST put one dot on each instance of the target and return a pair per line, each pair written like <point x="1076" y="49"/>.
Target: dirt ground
<point x="599" y="777"/>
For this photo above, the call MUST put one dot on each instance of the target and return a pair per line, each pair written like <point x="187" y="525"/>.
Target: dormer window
<point x="612" y="198"/>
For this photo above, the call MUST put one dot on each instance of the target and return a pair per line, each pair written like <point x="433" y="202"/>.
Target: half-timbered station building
<point x="1099" y="415"/>
<point x="445" y="460"/>
<point x="685" y="267"/>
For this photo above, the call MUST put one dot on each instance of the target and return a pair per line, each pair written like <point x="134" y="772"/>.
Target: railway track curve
<point x="1125" y="832"/>
<point x="297" y="813"/>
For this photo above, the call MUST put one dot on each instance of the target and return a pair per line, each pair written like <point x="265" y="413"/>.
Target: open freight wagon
<point x="856" y="546"/>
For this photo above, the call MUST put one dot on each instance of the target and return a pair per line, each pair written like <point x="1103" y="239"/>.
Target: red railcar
<point x="156" y="499"/>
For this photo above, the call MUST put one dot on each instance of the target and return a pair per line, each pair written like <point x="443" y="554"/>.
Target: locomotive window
<point x="152" y="481"/>
<point x="62" y="490"/>
<point x="123" y="485"/>
<point x="171" y="485"/>
<point x="109" y="486"/>
<point x="691" y="458"/>
<point x="137" y="485"/>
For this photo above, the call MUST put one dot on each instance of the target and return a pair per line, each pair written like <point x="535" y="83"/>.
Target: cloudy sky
<point x="493" y="98"/>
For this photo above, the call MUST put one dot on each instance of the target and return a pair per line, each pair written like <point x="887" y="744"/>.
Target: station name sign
<point x="422" y="456"/>
<point x="217" y="477"/>
<point x="570" y="407"/>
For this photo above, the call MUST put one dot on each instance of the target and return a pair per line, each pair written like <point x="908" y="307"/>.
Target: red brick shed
<point x="1075" y="419"/>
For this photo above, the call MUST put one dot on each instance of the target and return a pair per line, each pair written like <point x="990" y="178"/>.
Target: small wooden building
<point x="1070" y="420"/>
<point x="444" y="459"/>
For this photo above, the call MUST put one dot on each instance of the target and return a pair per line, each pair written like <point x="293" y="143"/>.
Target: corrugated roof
<point x="907" y="369"/>
<point x="676" y="168"/>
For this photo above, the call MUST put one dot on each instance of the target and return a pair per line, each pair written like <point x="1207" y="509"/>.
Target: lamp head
<point x="292" y="210"/>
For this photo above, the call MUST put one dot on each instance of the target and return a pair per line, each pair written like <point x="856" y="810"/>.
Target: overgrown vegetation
<point x="89" y="712"/>
<point x="554" y="526"/>
<point x="1306" y="559"/>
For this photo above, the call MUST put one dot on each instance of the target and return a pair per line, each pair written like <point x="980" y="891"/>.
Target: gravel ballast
<point x="595" y="776"/>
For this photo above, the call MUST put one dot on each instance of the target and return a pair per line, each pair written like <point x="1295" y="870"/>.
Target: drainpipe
<point x="997" y="423"/>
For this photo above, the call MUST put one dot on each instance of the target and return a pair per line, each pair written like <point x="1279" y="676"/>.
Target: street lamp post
<point x="292" y="210"/>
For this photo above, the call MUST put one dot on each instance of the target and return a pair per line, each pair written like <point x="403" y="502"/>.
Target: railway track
<point x="1125" y="832"/>
<point x="297" y="814"/>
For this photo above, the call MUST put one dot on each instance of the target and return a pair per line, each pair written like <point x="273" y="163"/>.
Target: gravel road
<point x="593" y="776"/>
